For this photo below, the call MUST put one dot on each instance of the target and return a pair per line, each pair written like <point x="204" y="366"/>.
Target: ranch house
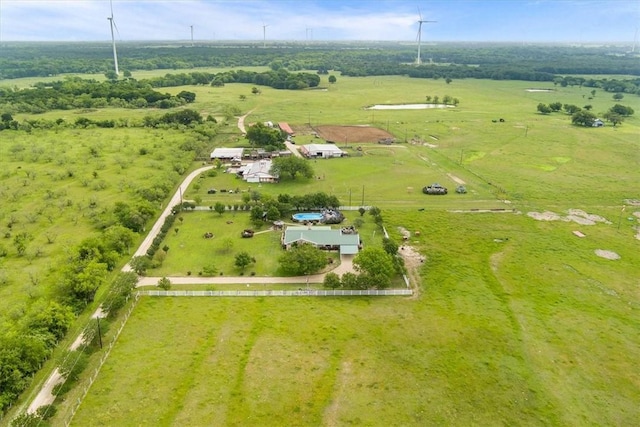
<point x="347" y="242"/>
<point x="325" y="151"/>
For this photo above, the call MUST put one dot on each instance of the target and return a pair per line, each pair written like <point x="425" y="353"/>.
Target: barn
<point x="227" y="153"/>
<point x="324" y="151"/>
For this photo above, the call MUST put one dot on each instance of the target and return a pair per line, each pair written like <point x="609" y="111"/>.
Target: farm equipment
<point x="434" y="189"/>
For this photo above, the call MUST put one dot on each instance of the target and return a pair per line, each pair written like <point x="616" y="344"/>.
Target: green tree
<point x="227" y="244"/>
<point x="80" y="279"/>
<point x="291" y="166"/>
<point x="349" y="280"/>
<point x="555" y="106"/>
<point x="618" y="96"/>
<point x="361" y="211"/>
<point x="257" y="213"/>
<point x="622" y="110"/>
<point x="243" y="260"/>
<point x="273" y="213"/>
<point x="111" y="75"/>
<point x="189" y="97"/>
<point x="262" y="135"/>
<point x="140" y="264"/>
<point x="331" y="281"/>
<point x="613" y="117"/>
<point x="164" y="284"/>
<point x="571" y="109"/>
<point x="54" y="319"/>
<point x="332" y="79"/>
<point x="219" y="208"/>
<point x="544" y="109"/>
<point x="302" y="259"/>
<point x="389" y="246"/>
<point x="20" y="241"/>
<point x="583" y="118"/>
<point x="375" y="262"/>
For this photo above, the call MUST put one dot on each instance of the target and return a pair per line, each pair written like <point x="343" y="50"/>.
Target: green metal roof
<point x="323" y="236"/>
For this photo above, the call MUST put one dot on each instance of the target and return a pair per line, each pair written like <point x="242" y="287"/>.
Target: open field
<point x="518" y="321"/>
<point x="495" y="338"/>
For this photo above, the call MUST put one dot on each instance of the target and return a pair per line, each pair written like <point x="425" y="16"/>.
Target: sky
<point x="571" y="21"/>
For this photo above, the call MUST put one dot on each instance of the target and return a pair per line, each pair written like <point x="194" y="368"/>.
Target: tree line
<point x="42" y="60"/>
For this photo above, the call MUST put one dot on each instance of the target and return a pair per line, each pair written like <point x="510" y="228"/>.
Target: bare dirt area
<point x="607" y="254"/>
<point x="413" y="260"/>
<point x="351" y="134"/>
<point x="576" y="215"/>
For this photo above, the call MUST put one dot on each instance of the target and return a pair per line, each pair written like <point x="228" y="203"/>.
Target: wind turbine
<point x="112" y="24"/>
<point x="264" y="35"/>
<point x="191" y="26"/>
<point x="420" y="22"/>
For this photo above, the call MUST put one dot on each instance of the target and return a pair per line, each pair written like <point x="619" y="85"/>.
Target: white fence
<point x="282" y="293"/>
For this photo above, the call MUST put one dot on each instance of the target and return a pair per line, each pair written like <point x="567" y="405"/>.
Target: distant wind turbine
<point x="264" y="35"/>
<point x="112" y="24"/>
<point x="191" y="26"/>
<point x="420" y="22"/>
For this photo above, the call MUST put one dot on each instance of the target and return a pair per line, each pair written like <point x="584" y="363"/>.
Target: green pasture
<point x="57" y="186"/>
<point x="517" y="322"/>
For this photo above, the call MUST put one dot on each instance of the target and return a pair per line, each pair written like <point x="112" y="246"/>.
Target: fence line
<point x="103" y="359"/>
<point x="281" y="293"/>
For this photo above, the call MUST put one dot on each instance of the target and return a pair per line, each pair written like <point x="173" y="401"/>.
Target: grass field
<point x="516" y="321"/>
<point x="494" y="338"/>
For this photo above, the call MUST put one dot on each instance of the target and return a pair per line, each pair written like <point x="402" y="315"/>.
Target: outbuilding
<point x="227" y="153"/>
<point x="324" y="151"/>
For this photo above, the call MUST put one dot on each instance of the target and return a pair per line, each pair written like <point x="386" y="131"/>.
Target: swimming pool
<point x="307" y="216"/>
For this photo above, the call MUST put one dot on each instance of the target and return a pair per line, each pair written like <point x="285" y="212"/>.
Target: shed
<point x="286" y="128"/>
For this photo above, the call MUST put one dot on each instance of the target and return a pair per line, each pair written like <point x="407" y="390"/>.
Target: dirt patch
<point x="545" y="216"/>
<point x="413" y="260"/>
<point x="351" y="134"/>
<point x="576" y="215"/>
<point x="607" y="254"/>
<point x="456" y="179"/>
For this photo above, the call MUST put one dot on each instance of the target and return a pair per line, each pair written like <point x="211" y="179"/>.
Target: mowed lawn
<point x="517" y="322"/>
